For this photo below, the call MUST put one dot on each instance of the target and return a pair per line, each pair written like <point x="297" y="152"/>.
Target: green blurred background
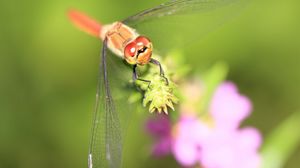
<point x="49" y="70"/>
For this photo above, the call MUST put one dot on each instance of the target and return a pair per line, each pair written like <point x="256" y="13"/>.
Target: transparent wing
<point x="109" y="120"/>
<point x="178" y="22"/>
<point x="174" y="7"/>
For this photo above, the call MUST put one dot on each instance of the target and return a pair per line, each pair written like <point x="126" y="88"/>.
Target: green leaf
<point x="282" y="142"/>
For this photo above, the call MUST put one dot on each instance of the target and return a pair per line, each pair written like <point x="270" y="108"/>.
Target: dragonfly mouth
<point x="143" y="55"/>
<point x="141" y="51"/>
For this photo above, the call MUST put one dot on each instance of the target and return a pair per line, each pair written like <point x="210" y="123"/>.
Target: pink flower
<point x="234" y="149"/>
<point x="218" y="142"/>
<point x="228" y="107"/>
<point x="187" y="145"/>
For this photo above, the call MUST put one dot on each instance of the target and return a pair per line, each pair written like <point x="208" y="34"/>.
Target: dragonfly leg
<point x="161" y="71"/>
<point x="135" y="76"/>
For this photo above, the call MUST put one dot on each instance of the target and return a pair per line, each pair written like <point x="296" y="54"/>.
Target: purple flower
<point x="216" y="141"/>
<point x="160" y="128"/>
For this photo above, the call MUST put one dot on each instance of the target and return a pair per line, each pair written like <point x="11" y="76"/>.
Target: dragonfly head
<point x="138" y="51"/>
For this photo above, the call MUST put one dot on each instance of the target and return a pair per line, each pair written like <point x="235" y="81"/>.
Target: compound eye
<point x="130" y="50"/>
<point x="142" y="41"/>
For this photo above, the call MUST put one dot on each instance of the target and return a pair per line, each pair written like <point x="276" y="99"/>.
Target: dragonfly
<point x="122" y="39"/>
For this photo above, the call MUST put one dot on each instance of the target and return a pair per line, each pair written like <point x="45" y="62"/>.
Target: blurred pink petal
<point x="185" y="153"/>
<point x="191" y="129"/>
<point x="228" y="107"/>
<point x="231" y="149"/>
<point x="249" y="138"/>
<point x="187" y="143"/>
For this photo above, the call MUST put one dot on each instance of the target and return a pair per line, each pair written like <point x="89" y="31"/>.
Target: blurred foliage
<point x="49" y="73"/>
<point x="281" y="143"/>
<point x="212" y="79"/>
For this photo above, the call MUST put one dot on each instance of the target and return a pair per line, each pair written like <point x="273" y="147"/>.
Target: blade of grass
<point x="212" y="80"/>
<point x="282" y="142"/>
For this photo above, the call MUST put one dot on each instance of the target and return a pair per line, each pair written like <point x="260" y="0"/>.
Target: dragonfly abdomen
<point x="85" y="23"/>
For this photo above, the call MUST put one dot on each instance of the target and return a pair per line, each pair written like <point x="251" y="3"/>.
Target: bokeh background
<point x="49" y="71"/>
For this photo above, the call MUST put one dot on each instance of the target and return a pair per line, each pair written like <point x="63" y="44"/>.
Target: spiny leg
<point x="135" y="76"/>
<point x="161" y="71"/>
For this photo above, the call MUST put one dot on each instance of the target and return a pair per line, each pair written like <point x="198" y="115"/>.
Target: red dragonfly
<point x="125" y="42"/>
